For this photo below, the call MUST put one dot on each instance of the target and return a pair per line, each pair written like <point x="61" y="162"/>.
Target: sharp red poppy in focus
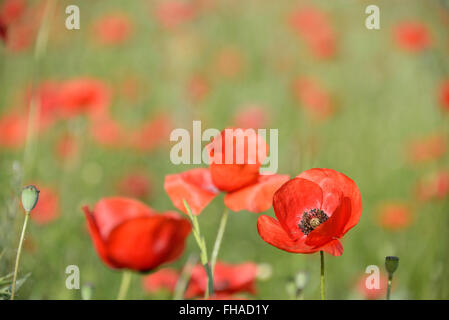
<point x="313" y="211"/>
<point x="128" y="234"/>
<point x="245" y="187"/>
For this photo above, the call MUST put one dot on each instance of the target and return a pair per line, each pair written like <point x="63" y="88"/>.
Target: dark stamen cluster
<point x="310" y="220"/>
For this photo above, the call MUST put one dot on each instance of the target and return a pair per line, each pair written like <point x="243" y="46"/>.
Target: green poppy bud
<point x="391" y="263"/>
<point x="30" y="196"/>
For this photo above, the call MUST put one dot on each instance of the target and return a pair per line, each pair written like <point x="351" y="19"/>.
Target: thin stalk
<point x="322" y="276"/>
<point x="19" y="252"/>
<point x="218" y="240"/>
<point x="390" y="279"/>
<point x="202" y="245"/>
<point x="184" y="278"/>
<point x="124" y="285"/>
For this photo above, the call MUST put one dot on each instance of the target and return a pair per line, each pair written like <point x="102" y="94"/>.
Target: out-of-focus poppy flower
<point x="224" y="297"/>
<point x="165" y="278"/>
<point x="11" y="11"/>
<point x="412" y="36"/>
<point x="113" y="29"/>
<point x="131" y="88"/>
<point x="47" y="208"/>
<point x="252" y="116"/>
<point x="128" y="234"/>
<point x="84" y="96"/>
<point x="229" y="279"/>
<point x="232" y="170"/>
<point x="229" y="62"/>
<point x="312" y="25"/>
<point x="313" y="211"/>
<point x="67" y="148"/>
<point x="108" y="132"/>
<point x="152" y="134"/>
<point x="369" y="290"/>
<point x="313" y="97"/>
<point x="427" y="149"/>
<point x="444" y="96"/>
<point x="20" y="36"/>
<point x="394" y="216"/>
<point x="172" y="13"/>
<point x="198" y="88"/>
<point x="13" y="129"/>
<point x="135" y="185"/>
<point x="435" y="186"/>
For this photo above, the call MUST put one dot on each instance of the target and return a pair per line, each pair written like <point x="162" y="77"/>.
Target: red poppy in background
<point x="313" y="211"/>
<point x="67" y="148"/>
<point x="251" y="116"/>
<point x="128" y="234"/>
<point x="113" y="29"/>
<point x="84" y="96"/>
<point x="198" y="87"/>
<point x="313" y="97"/>
<point x="108" y="132"/>
<point x="427" y="149"/>
<point x="10" y="12"/>
<point x="154" y="133"/>
<point x="370" y="292"/>
<point x="444" y="96"/>
<point x="47" y="208"/>
<point x="13" y="129"/>
<point x="245" y="187"/>
<point x="228" y="279"/>
<point x="312" y="24"/>
<point x="172" y="13"/>
<point x="395" y="216"/>
<point x="165" y="278"/>
<point x="135" y="185"/>
<point x="412" y="36"/>
<point x="434" y="186"/>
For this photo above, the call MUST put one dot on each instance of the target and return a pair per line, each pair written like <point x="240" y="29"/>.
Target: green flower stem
<point x="202" y="245"/>
<point x="322" y="275"/>
<point x="124" y="285"/>
<point x="184" y="278"/>
<point x="390" y="279"/>
<point x="19" y="252"/>
<point x="218" y="240"/>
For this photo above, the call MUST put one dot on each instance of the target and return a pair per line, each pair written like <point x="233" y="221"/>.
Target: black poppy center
<point x="312" y="219"/>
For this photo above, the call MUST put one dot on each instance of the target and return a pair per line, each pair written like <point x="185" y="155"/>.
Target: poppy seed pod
<point x="30" y="196"/>
<point x="391" y="264"/>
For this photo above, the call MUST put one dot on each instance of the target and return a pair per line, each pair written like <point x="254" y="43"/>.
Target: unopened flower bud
<point x="30" y="196"/>
<point x="391" y="263"/>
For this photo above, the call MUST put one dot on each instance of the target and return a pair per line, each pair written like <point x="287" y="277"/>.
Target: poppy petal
<point x="271" y="232"/>
<point x="293" y="199"/>
<point x="257" y="197"/>
<point x="195" y="186"/>
<point x="334" y="248"/>
<point x="344" y="183"/>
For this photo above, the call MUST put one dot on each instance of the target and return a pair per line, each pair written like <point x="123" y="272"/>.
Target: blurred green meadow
<point x="211" y="66"/>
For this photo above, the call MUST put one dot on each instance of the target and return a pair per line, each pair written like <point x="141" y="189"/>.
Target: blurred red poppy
<point x="172" y="13"/>
<point x="394" y="216"/>
<point x="245" y="187"/>
<point x="84" y="96"/>
<point x="427" y="149"/>
<point x="13" y="128"/>
<point x="134" y="184"/>
<point x="228" y="279"/>
<point x="313" y="97"/>
<point x="434" y="186"/>
<point x="128" y="234"/>
<point x="165" y="278"/>
<point x="108" y="132"/>
<point x="312" y="24"/>
<point x="67" y="148"/>
<point x="113" y="29"/>
<point x="444" y="96"/>
<point x="152" y="134"/>
<point x="313" y="211"/>
<point x="198" y="88"/>
<point x="369" y="290"/>
<point x="251" y="116"/>
<point x="11" y="10"/>
<point x="47" y="208"/>
<point x="412" y="36"/>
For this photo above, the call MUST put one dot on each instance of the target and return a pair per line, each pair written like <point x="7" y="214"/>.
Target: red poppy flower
<point x="369" y="291"/>
<point x="412" y="36"/>
<point x="252" y="116"/>
<point x="245" y="187"/>
<point x="444" y="96"/>
<point x="47" y="208"/>
<point x="113" y="29"/>
<point x="108" y="132"/>
<point x="313" y="97"/>
<point x="84" y="96"/>
<point x="128" y="234"/>
<point x="395" y="216"/>
<point x="434" y="186"/>
<point x="313" y="211"/>
<point x="13" y="130"/>
<point x="134" y="184"/>
<point x="154" y="133"/>
<point x="427" y="149"/>
<point x="165" y="278"/>
<point x="312" y="24"/>
<point x="172" y="13"/>
<point x="228" y="279"/>
<point x="12" y="10"/>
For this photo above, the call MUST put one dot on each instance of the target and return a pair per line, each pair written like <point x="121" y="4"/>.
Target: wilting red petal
<point x="145" y="243"/>
<point x="111" y="212"/>
<point x="162" y="279"/>
<point x="195" y="186"/>
<point x="293" y="199"/>
<point x="271" y="232"/>
<point x="346" y="185"/>
<point x="332" y="228"/>
<point x="257" y="197"/>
